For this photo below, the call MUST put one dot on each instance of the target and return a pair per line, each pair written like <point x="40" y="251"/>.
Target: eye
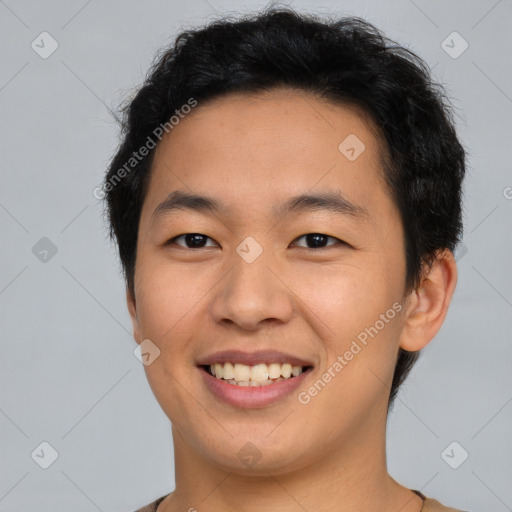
<point x="198" y="241"/>
<point x="319" y="240"/>
<point x="192" y="240"/>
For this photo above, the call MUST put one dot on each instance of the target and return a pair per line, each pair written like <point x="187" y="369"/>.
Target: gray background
<point x="67" y="369"/>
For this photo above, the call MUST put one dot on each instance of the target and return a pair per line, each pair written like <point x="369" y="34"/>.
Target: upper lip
<point x="252" y="358"/>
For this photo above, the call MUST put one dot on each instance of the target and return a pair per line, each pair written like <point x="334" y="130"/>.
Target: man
<point x="286" y="201"/>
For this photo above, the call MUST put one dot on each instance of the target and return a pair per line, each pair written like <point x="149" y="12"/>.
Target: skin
<point x="249" y="151"/>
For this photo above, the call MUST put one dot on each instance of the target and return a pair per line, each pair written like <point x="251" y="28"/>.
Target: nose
<point x="252" y="295"/>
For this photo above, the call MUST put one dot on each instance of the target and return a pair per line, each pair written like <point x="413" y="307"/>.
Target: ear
<point x="426" y="307"/>
<point x="132" y="309"/>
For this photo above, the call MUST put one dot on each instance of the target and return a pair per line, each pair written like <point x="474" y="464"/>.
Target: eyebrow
<point x="329" y="201"/>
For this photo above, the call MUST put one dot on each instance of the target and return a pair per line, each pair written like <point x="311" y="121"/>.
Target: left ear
<point x="426" y="307"/>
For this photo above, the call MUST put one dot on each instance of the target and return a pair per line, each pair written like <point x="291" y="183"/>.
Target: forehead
<point x="267" y="147"/>
<point x="276" y="121"/>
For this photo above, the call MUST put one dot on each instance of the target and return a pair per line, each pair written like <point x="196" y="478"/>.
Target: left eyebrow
<point x="330" y="201"/>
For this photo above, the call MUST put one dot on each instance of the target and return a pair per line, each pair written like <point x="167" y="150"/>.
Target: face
<point x="254" y="278"/>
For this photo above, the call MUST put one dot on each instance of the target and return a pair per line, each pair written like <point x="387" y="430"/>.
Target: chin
<point x="257" y="455"/>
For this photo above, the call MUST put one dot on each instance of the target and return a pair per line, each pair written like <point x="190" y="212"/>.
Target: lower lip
<point x="251" y="397"/>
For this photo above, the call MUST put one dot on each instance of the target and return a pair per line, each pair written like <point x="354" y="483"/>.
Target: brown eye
<point x="192" y="240"/>
<point x="319" y="240"/>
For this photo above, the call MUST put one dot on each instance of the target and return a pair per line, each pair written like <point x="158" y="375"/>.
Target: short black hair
<point x="344" y="60"/>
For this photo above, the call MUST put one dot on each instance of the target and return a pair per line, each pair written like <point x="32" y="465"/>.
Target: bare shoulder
<point x="432" y="505"/>
<point x="151" y="507"/>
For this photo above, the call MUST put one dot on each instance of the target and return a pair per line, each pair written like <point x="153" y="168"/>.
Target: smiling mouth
<point x="252" y="376"/>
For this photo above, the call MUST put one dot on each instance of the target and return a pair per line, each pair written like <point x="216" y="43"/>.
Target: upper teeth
<point x="258" y="373"/>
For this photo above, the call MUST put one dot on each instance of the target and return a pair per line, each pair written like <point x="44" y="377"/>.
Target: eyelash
<point x="341" y="242"/>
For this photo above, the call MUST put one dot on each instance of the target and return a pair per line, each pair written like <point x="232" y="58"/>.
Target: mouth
<point x="253" y="380"/>
<point x="262" y="374"/>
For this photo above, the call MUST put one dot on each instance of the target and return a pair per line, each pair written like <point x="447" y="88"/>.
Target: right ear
<point x="132" y="309"/>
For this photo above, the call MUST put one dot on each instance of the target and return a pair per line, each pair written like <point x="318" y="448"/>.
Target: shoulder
<point x="151" y="507"/>
<point x="431" y="505"/>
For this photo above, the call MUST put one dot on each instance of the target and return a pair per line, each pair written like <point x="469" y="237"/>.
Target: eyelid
<point x="338" y="240"/>
<point x="173" y="240"/>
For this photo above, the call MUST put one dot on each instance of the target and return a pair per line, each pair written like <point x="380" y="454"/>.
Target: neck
<point x="347" y="478"/>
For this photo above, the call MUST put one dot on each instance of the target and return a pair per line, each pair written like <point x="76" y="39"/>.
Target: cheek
<point x="166" y="298"/>
<point x="167" y="305"/>
<point x="363" y="315"/>
<point x="346" y="298"/>
<point x="357" y="309"/>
